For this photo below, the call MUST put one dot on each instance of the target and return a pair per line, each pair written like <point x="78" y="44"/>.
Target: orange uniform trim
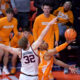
<point x="61" y="47"/>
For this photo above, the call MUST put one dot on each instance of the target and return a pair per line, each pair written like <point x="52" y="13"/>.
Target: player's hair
<point x="23" y="42"/>
<point x="9" y="10"/>
<point x="46" y="4"/>
<point x="43" y="46"/>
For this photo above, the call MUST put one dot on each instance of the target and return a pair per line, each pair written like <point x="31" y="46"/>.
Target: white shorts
<point x="25" y="77"/>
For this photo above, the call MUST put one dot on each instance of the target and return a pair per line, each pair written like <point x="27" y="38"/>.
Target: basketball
<point x="70" y="34"/>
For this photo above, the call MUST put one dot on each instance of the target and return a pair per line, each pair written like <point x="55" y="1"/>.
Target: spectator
<point x="7" y="24"/>
<point x="65" y="18"/>
<point x="40" y="23"/>
<point x="38" y="4"/>
<point x="4" y="5"/>
<point x="14" y="43"/>
<point x="21" y="9"/>
<point x="43" y="20"/>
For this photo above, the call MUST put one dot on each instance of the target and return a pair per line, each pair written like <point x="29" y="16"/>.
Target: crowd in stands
<point x="29" y="17"/>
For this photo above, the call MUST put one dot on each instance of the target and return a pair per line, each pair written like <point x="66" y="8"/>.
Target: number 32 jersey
<point x="29" y="62"/>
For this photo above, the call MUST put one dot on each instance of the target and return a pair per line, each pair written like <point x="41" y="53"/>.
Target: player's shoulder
<point x="70" y="12"/>
<point x="61" y="8"/>
<point x="52" y="16"/>
<point x="14" y="19"/>
<point x="30" y="35"/>
<point x="3" y="19"/>
<point x="40" y="17"/>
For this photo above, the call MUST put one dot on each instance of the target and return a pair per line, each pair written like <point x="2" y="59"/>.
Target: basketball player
<point x="14" y="43"/>
<point x="40" y="23"/>
<point x="7" y="24"/>
<point x="45" y="60"/>
<point x="29" y="59"/>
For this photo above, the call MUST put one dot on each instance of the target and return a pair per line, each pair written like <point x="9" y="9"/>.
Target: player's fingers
<point x="73" y="71"/>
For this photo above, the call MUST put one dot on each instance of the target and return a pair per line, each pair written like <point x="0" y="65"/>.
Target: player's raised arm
<point x="58" y="48"/>
<point x="9" y="49"/>
<point x="37" y="43"/>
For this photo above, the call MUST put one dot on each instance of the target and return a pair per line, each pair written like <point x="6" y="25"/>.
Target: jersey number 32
<point x="29" y="59"/>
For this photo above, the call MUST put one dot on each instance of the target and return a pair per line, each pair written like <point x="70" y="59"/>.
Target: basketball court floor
<point x="58" y="75"/>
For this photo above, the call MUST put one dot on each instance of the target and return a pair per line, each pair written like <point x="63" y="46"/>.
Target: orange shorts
<point x="5" y="43"/>
<point x="49" y="77"/>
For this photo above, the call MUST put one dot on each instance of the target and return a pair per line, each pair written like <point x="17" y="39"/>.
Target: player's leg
<point x="14" y="60"/>
<point x="5" y="59"/>
<point x="1" y="54"/>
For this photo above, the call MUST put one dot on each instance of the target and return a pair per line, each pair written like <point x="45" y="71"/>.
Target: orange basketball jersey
<point x="6" y="27"/>
<point x="40" y="23"/>
<point x="15" y="39"/>
<point x="44" y="69"/>
<point x="63" y="15"/>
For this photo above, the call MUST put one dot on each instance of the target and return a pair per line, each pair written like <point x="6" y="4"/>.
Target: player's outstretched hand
<point x="69" y="41"/>
<point x="72" y="69"/>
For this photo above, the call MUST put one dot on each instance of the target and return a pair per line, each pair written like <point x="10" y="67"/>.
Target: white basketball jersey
<point x="29" y="62"/>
